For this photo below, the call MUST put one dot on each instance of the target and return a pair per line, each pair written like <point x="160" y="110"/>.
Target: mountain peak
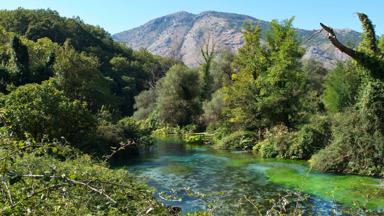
<point x="181" y="13"/>
<point x="181" y="35"/>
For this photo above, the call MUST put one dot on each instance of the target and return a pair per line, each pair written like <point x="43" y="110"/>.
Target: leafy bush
<point x="123" y="139"/>
<point x="341" y="87"/>
<point x="357" y="147"/>
<point x="195" y="138"/>
<point x="213" y="110"/>
<point x="276" y="142"/>
<point x="34" y="182"/>
<point x="240" y="140"/>
<point x="42" y="110"/>
<point x="310" y="138"/>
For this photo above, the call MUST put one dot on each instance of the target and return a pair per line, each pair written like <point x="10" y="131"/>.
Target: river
<point x="199" y="178"/>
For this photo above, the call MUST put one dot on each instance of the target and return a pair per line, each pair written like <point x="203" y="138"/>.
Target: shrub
<point x="195" y="138"/>
<point x="42" y="110"/>
<point x="311" y="138"/>
<point x="124" y="139"/>
<point x="276" y="142"/>
<point x="341" y="87"/>
<point x="240" y="140"/>
<point x="357" y="147"/>
<point x="39" y="184"/>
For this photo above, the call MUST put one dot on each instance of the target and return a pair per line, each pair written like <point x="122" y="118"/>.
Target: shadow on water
<point x="197" y="178"/>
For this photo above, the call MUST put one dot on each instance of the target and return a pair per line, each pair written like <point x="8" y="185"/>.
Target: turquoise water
<point x="226" y="183"/>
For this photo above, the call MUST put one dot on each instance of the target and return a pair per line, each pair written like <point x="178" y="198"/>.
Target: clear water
<point x="226" y="183"/>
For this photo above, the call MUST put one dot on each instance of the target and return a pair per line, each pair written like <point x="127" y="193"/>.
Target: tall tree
<point x="357" y="145"/>
<point x="270" y="83"/>
<point x="179" y="96"/>
<point x="208" y="54"/>
<point x="19" y="62"/>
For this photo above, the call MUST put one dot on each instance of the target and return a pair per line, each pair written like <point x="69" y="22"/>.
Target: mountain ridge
<point x="182" y="34"/>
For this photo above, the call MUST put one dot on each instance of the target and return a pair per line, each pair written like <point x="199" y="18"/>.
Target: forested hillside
<point x="66" y="93"/>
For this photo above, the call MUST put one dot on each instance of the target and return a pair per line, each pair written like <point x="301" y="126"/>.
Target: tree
<point x="42" y="110"/>
<point x="145" y="104"/>
<point x="270" y="84"/>
<point x="341" y="88"/>
<point x="19" y="61"/>
<point x="208" y="53"/>
<point x="179" y="96"/>
<point x="316" y="74"/>
<point x="357" y="144"/>
<point x="221" y="70"/>
<point x="124" y="83"/>
<point x="79" y="77"/>
<point x="368" y="55"/>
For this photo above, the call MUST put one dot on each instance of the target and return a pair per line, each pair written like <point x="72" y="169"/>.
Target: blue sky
<point x="119" y="15"/>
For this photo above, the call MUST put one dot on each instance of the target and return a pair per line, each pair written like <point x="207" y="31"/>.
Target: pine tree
<point x="20" y="62"/>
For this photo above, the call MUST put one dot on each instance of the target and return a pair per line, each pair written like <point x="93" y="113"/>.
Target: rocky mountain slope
<point x="182" y="35"/>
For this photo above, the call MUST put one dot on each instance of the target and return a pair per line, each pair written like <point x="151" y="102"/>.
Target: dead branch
<point x="121" y="148"/>
<point x="63" y="177"/>
<point x="8" y="191"/>
<point x="332" y="37"/>
<point x="30" y="196"/>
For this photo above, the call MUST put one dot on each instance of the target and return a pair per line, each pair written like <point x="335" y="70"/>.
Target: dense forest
<point x="73" y="102"/>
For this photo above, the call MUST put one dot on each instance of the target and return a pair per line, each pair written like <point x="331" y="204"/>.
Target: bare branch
<point x="332" y="37"/>
<point x="30" y="196"/>
<point x="8" y="191"/>
<point x="99" y="191"/>
<point x="121" y="148"/>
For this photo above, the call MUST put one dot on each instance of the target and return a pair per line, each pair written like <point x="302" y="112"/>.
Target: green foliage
<point x="357" y="144"/>
<point x="145" y="104"/>
<point x="36" y="24"/>
<point x="282" y="143"/>
<point x="311" y="138"/>
<point x="239" y="140"/>
<point x="316" y="74"/>
<point x="275" y="143"/>
<point x="213" y="110"/>
<point x="132" y="77"/>
<point x="221" y="69"/>
<point x="123" y="139"/>
<point x="179" y="96"/>
<point x="369" y="42"/>
<point x="270" y="85"/>
<point x="34" y="181"/>
<point x="41" y="110"/>
<point x="79" y="77"/>
<point x="20" y="73"/>
<point x="358" y="141"/>
<point x="24" y="61"/>
<point x="353" y="150"/>
<point x="195" y="139"/>
<point x="85" y="57"/>
<point x="341" y="87"/>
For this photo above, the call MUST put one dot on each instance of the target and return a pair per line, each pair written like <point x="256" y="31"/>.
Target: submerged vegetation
<point x="73" y="102"/>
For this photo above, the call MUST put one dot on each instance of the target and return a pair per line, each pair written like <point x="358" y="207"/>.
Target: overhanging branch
<point x="332" y="37"/>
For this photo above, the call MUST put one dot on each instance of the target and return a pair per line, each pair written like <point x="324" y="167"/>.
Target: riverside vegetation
<point x="73" y="102"/>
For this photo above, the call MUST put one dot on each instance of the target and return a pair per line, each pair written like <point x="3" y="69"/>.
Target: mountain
<point x="182" y="34"/>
